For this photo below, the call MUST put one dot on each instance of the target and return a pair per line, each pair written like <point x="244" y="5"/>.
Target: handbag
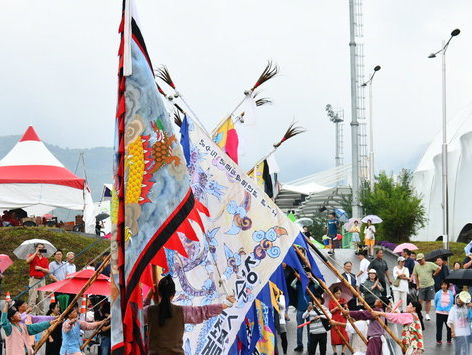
<point x="396" y="282"/>
<point x="324" y="321"/>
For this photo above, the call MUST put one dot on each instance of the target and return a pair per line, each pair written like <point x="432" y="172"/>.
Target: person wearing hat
<point x="401" y="277"/>
<point x="459" y="322"/>
<point x="424" y="272"/>
<point x="371" y="288"/>
<point x="17" y="339"/>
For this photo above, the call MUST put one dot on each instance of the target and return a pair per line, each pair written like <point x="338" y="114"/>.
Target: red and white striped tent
<point x="31" y="177"/>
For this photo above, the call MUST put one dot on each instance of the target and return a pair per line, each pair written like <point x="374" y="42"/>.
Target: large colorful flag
<point x="226" y="137"/>
<point x="152" y="200"/>
<point x="261" y="173"/>
<point x="246" y="239"/>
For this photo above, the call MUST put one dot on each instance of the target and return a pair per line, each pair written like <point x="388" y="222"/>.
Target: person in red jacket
<point x="38" y="269"/>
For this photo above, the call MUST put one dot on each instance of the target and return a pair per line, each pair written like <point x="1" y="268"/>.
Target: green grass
<point x="456" y="248"/>
<point x="16" y="276"/>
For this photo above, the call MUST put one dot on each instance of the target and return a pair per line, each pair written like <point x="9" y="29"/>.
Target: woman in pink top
<point x="412" y="332"/>
<point x="443" y="302"/>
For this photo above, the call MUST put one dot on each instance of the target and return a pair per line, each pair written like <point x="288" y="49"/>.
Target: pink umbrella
<point x="5" y="262"/>
<point x="345" y="293"/>
<point x="48" y="216"/>
<point x="399" y="248"/>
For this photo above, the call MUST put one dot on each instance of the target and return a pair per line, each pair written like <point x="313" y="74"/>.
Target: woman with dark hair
<point x="18" y="334"/>
<point x="338" y="317"/>
<point x="71" y="337"/>
<point x="371" y="288"/>
<point x="166" y="320"/>
<point x="54" y="342"/>
<point x="413" y="326"/>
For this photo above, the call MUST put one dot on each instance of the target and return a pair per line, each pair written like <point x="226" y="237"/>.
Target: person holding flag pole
<point x="355" y="293"/>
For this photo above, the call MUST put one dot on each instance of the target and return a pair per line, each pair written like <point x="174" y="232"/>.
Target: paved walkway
<point x="343" y="255"/>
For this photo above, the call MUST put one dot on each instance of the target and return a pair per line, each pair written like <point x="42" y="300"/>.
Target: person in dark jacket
<point x="441" y="276"/>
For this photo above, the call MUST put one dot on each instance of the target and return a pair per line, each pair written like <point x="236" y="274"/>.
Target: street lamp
<point x="445" y="196"/>
<point x="371" y="133"/>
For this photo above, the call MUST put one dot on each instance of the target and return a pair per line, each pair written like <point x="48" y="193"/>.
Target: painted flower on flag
<point x="241" y="220"/>
<point x="233" y="261"/>
<point x="266" y="241"/>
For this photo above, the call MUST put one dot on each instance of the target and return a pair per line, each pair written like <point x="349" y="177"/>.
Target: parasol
<point x="341" y="215"/>
<point x="345" y="293"/>
<point x="5" y="262"/>
<point x="372" y="218"/>
<point x="73" y="283"/>
<point x="304" y="221"/>
<point x="460" y="277"/>
<point x="351" y="222"/>
<point x="101" y="216"/>
<point x="28" y="247"/>
<point x="438" y="253"/>
<point x="399" y="248"/>
<point x="468" y="248"/>
<point x="48" y="216"/>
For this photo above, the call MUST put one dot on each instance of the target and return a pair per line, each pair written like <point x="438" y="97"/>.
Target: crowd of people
<point x="24" y="323"/>
<point x="405" y="295"/>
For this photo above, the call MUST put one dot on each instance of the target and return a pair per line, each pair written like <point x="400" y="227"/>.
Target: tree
<point x="397" y="203"/>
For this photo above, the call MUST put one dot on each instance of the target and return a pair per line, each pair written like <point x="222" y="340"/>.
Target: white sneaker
<point x="427" y="317"/>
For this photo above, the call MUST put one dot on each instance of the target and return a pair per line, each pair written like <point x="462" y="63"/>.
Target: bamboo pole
<point x="94" y="334"/>
<point x="59" y="319"/>
<point x="355" y="293"/>
<point x="319" y="305"/>
<point x="328" y="291"/>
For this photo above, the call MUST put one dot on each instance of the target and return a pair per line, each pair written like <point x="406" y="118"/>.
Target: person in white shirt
<point x="318" y="332"/>
<point x="369" y="237"/>
<point x="459" y="323"/>
<point x="402" y="276"/>
<point x="358" y="345"/>
<point x="70" y="266"/>
<point x="363" y="268"/>
<point x="57" y="270"/>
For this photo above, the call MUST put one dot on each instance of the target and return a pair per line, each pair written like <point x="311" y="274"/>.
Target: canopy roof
<point x="30" y="162"/>
<point x="32" y="178"/>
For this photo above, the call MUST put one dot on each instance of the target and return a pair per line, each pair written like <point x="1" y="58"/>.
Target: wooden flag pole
<point x="94" y="334"/>
<point x="355" y="293"/>
<point x="319" y="306"/>
<point x="328" y="291"/>
<point x="59" y="319"/>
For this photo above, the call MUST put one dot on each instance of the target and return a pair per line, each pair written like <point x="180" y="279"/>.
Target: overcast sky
<point x="58" y="68"/>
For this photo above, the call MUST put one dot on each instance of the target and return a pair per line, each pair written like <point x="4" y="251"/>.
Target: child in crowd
<point x="459" y="322"/>
<point x="443" y="302"/>
<point x="71" y="338"/>
<point x="317" y="327"/>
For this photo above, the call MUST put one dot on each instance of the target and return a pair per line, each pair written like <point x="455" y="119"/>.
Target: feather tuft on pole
<point x="269" y="72"/>
<point x="163" y="74"/>
<point x="291" y="132"/>
<point x="263" y="101"/>
<point x="177" y="118"/>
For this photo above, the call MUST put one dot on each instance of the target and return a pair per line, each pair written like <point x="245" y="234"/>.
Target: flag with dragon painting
<point x="246" y="239"/>
<point x="152" y="200"/>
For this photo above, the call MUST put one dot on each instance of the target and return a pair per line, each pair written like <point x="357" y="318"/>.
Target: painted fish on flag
<point x="152" y="199"/>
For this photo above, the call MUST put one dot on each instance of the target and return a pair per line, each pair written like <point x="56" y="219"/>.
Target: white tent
<point x="31" y="177"/>
<point x="427" y="179"/>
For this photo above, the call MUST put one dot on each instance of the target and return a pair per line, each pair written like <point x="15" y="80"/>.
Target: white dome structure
<point x="427" y="180"/>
